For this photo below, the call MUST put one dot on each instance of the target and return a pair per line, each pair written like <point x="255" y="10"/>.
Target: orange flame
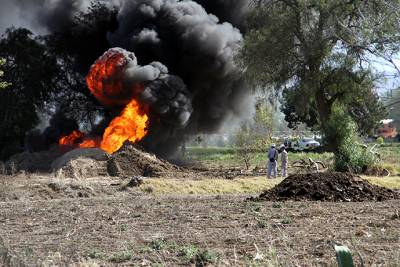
<point x="106" y="84"/>
<point x="71" y="139"/>
<point x="89" y="143"/>
<point x="130" y="125"/>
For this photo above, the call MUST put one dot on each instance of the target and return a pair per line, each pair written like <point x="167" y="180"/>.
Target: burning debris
<point x="167" y="70"/>
<point x="130" y="125"/>
<point x="156" y="71"/>
<point x="116" y="80"/>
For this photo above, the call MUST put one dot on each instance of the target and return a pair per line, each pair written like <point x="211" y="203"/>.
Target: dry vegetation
<point x="170" y="231"/>
<point x="191" y="220"/>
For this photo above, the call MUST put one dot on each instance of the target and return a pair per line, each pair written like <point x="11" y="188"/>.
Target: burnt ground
<point x="131" y="230"/>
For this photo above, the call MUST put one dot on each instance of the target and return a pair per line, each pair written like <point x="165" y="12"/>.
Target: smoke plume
<point x="182" y="52"/>
<point x="116" y="78"/>
<point x="195" y="46"/>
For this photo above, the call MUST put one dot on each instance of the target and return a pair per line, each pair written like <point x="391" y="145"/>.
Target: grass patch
<point x="216" y="156"/>
<point x="390" y="155"/>
<point x="209" y="186"/>
<point x="277" y="205"/>
<point x="96" y="254"/>
<point x="189" y="253"/>
<point x="287" y="220"/>
<point x="120" y="257"/>
<point x="206" y="257"/>
<point x="226" y="156"/>
<point x="159" y="244"/>
<point x="392" y="182"/>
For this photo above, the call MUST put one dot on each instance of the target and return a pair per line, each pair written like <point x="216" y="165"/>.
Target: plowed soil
<point x="329" y="186"/>
<point x="123" y="230"/>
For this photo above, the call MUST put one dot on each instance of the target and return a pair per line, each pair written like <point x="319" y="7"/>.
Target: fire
<point x="105" y="81"/>
<point x="71" y="139"/>
<point x="75" y="139"/>
<point x="130" y="125"/>
<point x="89" y="143"/>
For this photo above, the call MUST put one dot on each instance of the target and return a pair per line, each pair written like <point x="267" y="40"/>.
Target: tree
<point x="245" y="145"/>
<point x="33" y="74"/>
<point x="317" y="52"/>
<point x="255" y="135"/>
<point x="263" y="120"/>
<point x="3" y="84"/>
<point x="353" y="90"/>
<point x="76" y="47"/>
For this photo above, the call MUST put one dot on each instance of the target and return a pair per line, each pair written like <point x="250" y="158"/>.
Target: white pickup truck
<point x="304" y="144"/>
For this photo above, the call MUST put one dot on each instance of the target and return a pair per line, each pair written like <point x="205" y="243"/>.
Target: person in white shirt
<point x="272" y="161"/>
<point x="284" y="159"/>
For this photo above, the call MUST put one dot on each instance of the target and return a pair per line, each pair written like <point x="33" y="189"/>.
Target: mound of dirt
<point x="32" y="162"/>
<point x="329" y="186"/>
<point x="131" y="160"/>
<point x="81" y="163"/>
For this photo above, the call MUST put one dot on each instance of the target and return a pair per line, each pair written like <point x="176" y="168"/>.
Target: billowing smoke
<point x="40" y="16"/>
<point x="116" y="78"/>
<point x="59" y="125"/>
<point x="185" y="52"/>
<point x="195" y="46"/>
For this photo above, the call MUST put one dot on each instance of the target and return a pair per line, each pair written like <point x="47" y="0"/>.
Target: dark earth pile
<point x="330" y="186"/>
<point x="131" y="160"/>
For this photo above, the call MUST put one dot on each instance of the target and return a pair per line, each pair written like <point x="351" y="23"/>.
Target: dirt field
<point x="104" y="226"/>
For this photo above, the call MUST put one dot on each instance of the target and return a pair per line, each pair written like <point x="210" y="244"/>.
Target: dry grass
<point x="392" y="182"/>
<point x="236" y="186"/>
<point x="208" y="186"/>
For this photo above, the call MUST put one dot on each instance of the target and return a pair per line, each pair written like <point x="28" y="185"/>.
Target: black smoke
<point x="195" y="40"/>
<point x="59" y="125"/>
<point x="166" y="95"/>
<point x="232" y="11"/>
<point x="195" y="46"/>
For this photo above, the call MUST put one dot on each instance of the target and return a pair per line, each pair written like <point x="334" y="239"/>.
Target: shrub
<point x="350" y="155"/>
<point x="380" y="140"/>
<point x="120" y="257"/>
<point x="206" y="257"/>
<point x="189" y="252"/>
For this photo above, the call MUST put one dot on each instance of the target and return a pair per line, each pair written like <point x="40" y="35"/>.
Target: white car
<point x="305" y="144"/>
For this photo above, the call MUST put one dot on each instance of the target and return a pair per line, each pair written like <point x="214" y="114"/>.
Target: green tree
<point x="34" y="75"/>
<point x="76" y="47"/>
<point x="3" y="84"/>
<point x="351" y="155"/>
<point x="317" y="53"/>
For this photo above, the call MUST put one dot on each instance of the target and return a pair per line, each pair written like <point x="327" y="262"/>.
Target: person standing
<point x="272" y="161"/>
<point x="284" y="160"/>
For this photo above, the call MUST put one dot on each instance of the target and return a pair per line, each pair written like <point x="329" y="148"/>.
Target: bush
<point x="350" y="155"/>
<point x="380" y="140"/>
<point x="206" y="257"/>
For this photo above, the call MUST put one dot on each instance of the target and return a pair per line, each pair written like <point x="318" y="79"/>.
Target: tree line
<point x="318" y="54"/>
